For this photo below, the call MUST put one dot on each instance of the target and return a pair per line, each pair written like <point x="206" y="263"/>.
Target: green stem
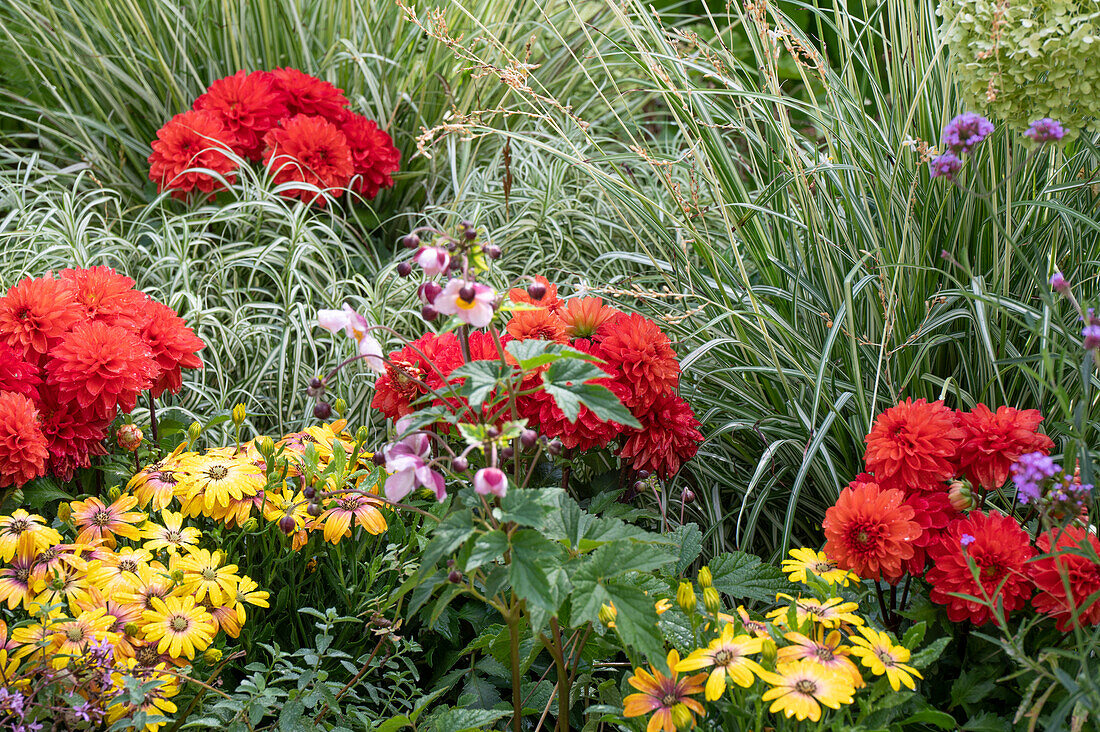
<point x="558" y="653"/>
<point x="512" y="618"/>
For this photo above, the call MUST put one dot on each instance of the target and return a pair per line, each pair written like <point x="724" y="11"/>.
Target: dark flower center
<point x="22" y="574"/>
<point x="146" y="655"/>
<point x="102" y="518"/>
<point x="805" y="686"/>
<point x="824" y="653"/>
<point x="823" y="567"/>
<point x="179" y="623"/>
<point x="670" y="700"/>
<point x="127" y="565"/>
<point x="166" y="476"/>
<point x="173" y="537"/>
<point x="724" y="657"/>
<point x="18" y="526"/>
<point x="217" y="472"/>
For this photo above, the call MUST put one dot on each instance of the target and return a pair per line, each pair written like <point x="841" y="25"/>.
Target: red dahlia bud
<point x="129" y="437"/>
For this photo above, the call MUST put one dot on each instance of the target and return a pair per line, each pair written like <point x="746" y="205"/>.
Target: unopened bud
<point x="429" y="291"/>
<point x="238" y="414"/>
<point x="129" y="437"/>
<point x="643" y="474"/>
<point x="194" y="432"/>
<point x="177" y="576"/>
<point x="711" y="600"/>
<point x="685" y="597"/>
<point x="428" y="313"/>
<point x="64" y="512"/>
<point x="460" y="464"/>
<point x="454" y="577"/>
<point x="322" y="410"/>
<point x="492" y="251"/>
<point x="340" y="406"/>
<point x="378" y="458"/>
<point x="493" y="432"/>
<point x="410" y="241"/>
<point x="705" y="577"/>
<point x="768" y="652"/>
<point x="961" y="496"/>
<point x="404" y="269"/>
<point x="287" y="524"/>
<point x="528" y="438"/>
<point x="688" y="495"/>
<point x="554" y="447"/>
<point x="607" y="615"/>
<point x="682" y="717"/>
<point x="536" y="290"/>
<point x="250" y="525"/>
<point x="266" y="446"/>
<point x="212" y="655"/>
<point x="507" y="453"/>
<point x="309" y="492"/>
<point x="315" y="509"/>
<point x="114" y="493"/>
<point x="470" y="234"/>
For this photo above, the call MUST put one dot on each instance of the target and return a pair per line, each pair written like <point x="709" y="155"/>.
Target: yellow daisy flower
<point x="172" y="536"/>
<point x="205" y="575"/>
<point x="799" y="689"/>
<point x="755" y="627"/>
<point x="97" y="520"/>
<point x="878" y="653"/>
<point x="18" y="585"/>
<point x="216" y="478"/>
<point x="25" y="532"/>
<point x="805" y="560"/>
<point x="152" y="581"/>
<point x="829" y="613"/>
<point x="350" y="509"/>
<point x="728" y="655"/>
<point x="119" y="573"/>
<point x="65" y="586"/>
<point x="179" y="626"/>
<point x="826" y="650"/>
<point x="71" y="637"/>
<point x="155" y="485"/>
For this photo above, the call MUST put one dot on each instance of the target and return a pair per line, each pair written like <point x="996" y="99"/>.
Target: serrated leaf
<point x="530" y="553"/>
<point x="532" y="353"/>
<point x="448" y="536"/>
<point x="487" y="548"/>
<point x="461" y="720"/>
<point x="971" y="687"/>
<point x="636" y="620"/>
<point x="690" y="540"/>
<point x="526" y="507"/>
<point x="943" y="720"/>
<point x="927" y="655"/>
<point x="481" y="377"/>
<point x="743" y="575"/>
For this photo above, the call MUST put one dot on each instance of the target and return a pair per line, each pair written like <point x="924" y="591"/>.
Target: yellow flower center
<point x="823" y="567"/>
<point x="885" y="656"/>
<point x="725" y="657"/>
<point x="75" y="633"/>
<point x="209" y="574"/>
<point x="805" y="686"/>
<point x="217" y="472"/>
<point x="173" y="537"/>
<point x="179" y="623"/>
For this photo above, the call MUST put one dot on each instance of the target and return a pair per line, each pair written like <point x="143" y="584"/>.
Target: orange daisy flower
<point x="97" y="520"/>
<point x="667" y="698"/>
<point x="583" y="316"/>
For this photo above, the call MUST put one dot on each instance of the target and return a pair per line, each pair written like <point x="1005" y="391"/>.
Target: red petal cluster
<point x="993" y="441"/>
<point x="373" y="155"/>
<point x="912" y="446"/>
<point x="642" y="356"/>
<point x="190" y="141"/>
<point x="1067" y="559"/>
<point x="669" y="436"/>
<point x="539" y="324"/>
<point x="22" y="445"/>
<point x="309" y="150"/>
<point x="870" y="531"/>
<point x="263" y="115"/>
<point x="933" y="512"/>
<point x="248" y="105"/>
<point x="999" y="551"/>
<point x="427" y="360"/>
<point x="78" y="348"/>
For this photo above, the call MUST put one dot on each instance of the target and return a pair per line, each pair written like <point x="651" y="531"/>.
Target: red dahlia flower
<point x="643" y="357"/>
<point x="106" y="296"/>
<point x="22" y="446"/>
<point x="540" y="324"/>
<point x="102" y="368"/>
<point x="35" y="314"/>
<point x="583" y="316"/>
<point x="871" y="531"/>
<point x="1068" y="562"/>
<point x="188" y="141"/>
<point x="933" y="512"/>
<point x="309" y="150"/>
<point x="72" y="435"/>
<point x="549" y="300"/>
<point x="395" y="391"/>
<point x="248" y="105"/>
<point x="669" y="436"/>
<point x="588" y="431"/>
<point x="999" y="550"/>
<point x="16" y="375"/>
<point x="305" y="94"/>
<point x="993" y="441"/>
<point x="373" y="155"/>
<point x="911" y="447"/>
<point x="173" y="344"/>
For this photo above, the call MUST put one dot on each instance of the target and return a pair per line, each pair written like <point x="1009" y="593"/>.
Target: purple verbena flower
<point x="945" y="166"/>
<point x="966" y="540"/>
<point x="407" y="462"/>
<point x="1031" y="472"/>
<point x="1046" y="130"/>
<point x="966" y="131"/>
<point x="1058" y="283"/>
<point x="1091" y="337"/>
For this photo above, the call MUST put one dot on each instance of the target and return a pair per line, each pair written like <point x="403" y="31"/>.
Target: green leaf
<point x="526" y="507"/>
<point x="928" y="654"/>
<point x="448" y="536"/>
<point x="481" y="377"/>
<point x="614" y="559"/>
<point x="972" y="686"/>
<point x="943" y="720"/>
<point x="487" y="548"/>
<point x="636" y="619"/>
<point x="743" y="575"/>
<point x="530" y="553"/>
<point x="565" y="382"/>
<point x="914" y="635"/>
<point x="460" y="720"/>
<point x="532" y="353"/>
<point x="690" y="540"/>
